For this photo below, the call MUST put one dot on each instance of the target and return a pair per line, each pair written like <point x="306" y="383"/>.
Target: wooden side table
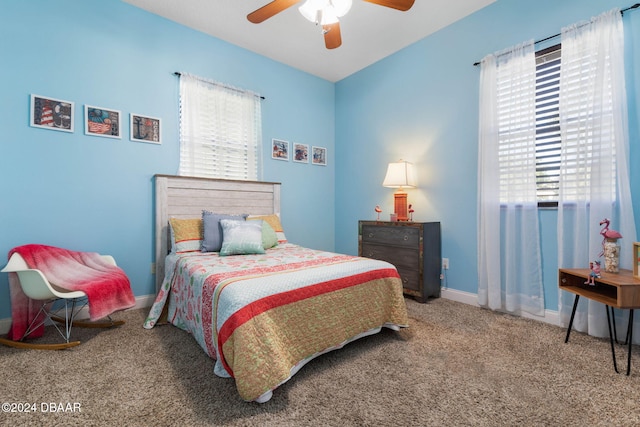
<point x="620" y="290"/>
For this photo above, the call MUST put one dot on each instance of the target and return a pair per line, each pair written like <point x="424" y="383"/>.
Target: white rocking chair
<point x="55" y="302"/>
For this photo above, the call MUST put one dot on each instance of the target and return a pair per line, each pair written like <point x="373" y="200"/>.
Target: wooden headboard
<point x="187" y="197"/>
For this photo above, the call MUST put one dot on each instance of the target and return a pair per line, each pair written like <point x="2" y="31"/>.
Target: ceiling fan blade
<point x="402" y="5"/>
<point x="270" y="9"/>
<point x="332" y="37"/>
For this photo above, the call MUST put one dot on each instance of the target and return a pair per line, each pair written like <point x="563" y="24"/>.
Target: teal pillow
<point x="269" y="236"/>
<point x="241" y="237"/>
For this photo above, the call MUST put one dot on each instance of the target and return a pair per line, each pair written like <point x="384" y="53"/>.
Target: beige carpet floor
<point x="455" y="365"/>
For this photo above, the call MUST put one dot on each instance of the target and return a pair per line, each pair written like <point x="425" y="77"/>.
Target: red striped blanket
<point x="107" y="286"/>
<point x="262" y="317"/>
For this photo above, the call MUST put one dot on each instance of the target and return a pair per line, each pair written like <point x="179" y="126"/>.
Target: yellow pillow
<point x="186" y="235"/>
<point x="274" y="221"/>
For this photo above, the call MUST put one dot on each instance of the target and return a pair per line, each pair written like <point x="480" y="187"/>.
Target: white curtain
<point x="220" y="130"/>
<point x="594" y="177"/>
<point x="509" y="261"/>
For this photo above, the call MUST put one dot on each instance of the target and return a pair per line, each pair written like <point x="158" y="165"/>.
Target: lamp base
<point x="400" y="205"/>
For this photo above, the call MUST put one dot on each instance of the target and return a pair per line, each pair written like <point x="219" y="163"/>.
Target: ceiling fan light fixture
<point x="328" y="16"/>
<point x="311" y="8"/>
<point x="325" y="12"/>
<point x="341" y="7"/>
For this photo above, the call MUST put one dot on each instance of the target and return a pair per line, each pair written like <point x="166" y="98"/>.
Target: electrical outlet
<point x="153" y="268"/>
<point x="445" y="263"/>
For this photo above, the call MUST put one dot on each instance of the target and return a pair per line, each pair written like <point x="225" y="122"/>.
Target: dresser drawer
<point x="391" y="235"/>
<point x="410" y="281"/>
<point x="398" y="256"/>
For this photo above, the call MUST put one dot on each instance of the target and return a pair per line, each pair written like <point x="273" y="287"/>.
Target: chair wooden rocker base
<point x="59" y="307"/>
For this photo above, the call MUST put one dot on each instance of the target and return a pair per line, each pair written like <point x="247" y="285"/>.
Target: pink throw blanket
<point x="107" y="286"/>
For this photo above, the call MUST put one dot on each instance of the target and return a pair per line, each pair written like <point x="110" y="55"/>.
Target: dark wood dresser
<point x="414" y="248"/>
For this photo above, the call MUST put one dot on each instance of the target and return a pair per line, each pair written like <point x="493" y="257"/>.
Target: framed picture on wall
<point x="300" y="153"/>
<point x="145" y="129"/>
<point x="280" y="149"/>
<point x="319" y="156"/>
<point x="51" y="113"/>
<point x="100" y="121"/>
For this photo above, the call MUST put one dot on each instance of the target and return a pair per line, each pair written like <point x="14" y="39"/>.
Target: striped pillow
<point x="186" y="235"/>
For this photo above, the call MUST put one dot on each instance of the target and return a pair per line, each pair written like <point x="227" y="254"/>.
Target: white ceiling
<point x="369" y="32"/>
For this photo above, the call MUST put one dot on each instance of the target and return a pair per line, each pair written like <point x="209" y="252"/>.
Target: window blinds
<point x="548" y="124"/>
<point x="220" y="130"/>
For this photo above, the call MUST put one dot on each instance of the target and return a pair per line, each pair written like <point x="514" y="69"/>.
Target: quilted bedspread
<point x="263" y="316"/>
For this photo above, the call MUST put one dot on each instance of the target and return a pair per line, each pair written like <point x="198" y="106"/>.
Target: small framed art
<point x="51" y="113"/>
<point x="319" y="156"/>
<point x="636" y="260"/>
<point x="100" y="121"/>
<point x="280" y="149"/>
<point x="145" y="129"/>
<point x="300" y="153"/>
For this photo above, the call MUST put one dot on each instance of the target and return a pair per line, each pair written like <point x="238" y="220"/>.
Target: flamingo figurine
<point x="607" y="233"/>
<point x="378" y="210"/>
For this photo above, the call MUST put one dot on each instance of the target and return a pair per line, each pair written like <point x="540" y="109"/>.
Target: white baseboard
<point x="141" y="302"/>
<point x="5" y="324"/>
<point x="550" y="316"/>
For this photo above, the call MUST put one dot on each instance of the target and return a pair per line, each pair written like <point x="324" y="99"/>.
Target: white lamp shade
<point x="400" y="174"/>
<point x="328" y="16"/>
<point x="341" y="7"/>
<point x="325" y="10"/>
<point x="310" y="9"/>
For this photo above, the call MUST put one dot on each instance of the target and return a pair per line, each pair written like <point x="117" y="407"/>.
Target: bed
<point x="262" y="311"/>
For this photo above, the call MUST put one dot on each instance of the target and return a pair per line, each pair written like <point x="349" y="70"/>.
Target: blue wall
<point x="421" y="104"/>
<point x="95" y="194"/>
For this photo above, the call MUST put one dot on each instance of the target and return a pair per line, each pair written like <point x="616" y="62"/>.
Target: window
<point x="569" y="150"/>
<point x="548" y="125"/>
<point x="220" y="130"/>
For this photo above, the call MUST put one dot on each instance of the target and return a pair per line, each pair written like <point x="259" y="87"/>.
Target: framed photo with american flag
<point x="100" y="121"/>
<point x="51" y="113"/>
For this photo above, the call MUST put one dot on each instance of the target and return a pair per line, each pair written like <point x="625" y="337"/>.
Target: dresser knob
<point x="405" y="280"/>
<point x="370" y="234"/>
<point x="406" y="237"/>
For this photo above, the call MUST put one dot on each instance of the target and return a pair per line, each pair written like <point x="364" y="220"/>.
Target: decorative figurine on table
<point x="607" y="234"/>
<point x="594" y="266"/>
<point x="411" y="211"/>
<point x="610" y="247"/>
<point x="378" y="210"/>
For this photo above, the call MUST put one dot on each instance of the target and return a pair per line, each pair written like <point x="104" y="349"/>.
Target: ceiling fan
<point x="322" y="12"/>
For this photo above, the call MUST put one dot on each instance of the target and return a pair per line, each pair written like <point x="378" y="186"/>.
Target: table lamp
<point x="400" y="175"/>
